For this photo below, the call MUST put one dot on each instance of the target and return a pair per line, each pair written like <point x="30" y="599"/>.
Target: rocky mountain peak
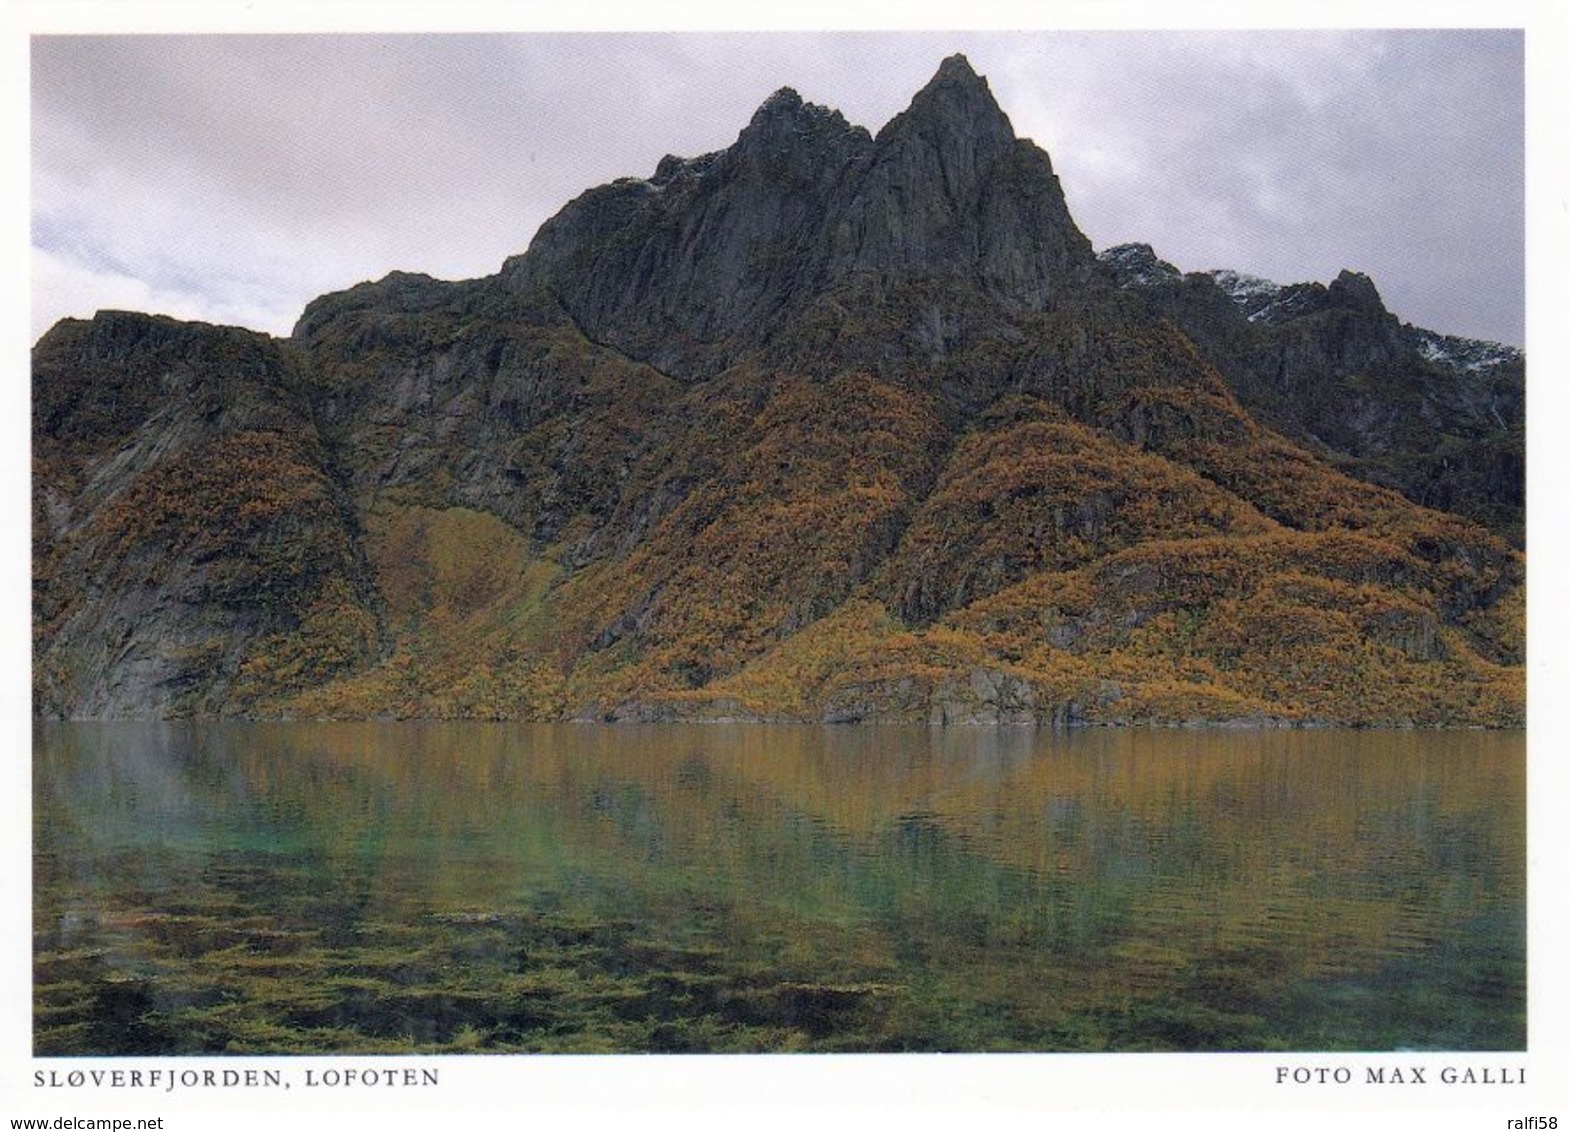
<point x="1137" y="265"/>
<point x="709" y="255"/>
<point x="785" y="100"/>
<point x="784" y="113"/>
<point x="789" y="134"/>
<point x="817" y="426"/>
<point x="955" y="108"/>
<point x="957" y="94"/>
<point x="1354" y="290"/>
<point x="951" y="191"/>
<point x="956" y="68"/>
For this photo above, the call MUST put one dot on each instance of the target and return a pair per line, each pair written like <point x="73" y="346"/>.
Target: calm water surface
<point x="449" y="887"/>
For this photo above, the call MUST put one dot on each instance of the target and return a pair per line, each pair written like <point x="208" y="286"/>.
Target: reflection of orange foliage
<point x="1301" y="792"/>
<point x="1235" y="833"/>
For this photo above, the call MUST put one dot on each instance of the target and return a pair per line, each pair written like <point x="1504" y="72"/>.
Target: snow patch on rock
<point x="1467" y="355"/>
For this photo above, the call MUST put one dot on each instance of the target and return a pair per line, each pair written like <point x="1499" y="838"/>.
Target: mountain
<point x="1437" y="418"/>
<point x="824" y="426"/>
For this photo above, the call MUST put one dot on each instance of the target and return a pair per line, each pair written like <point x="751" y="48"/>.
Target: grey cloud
<point x="263" y="170"/>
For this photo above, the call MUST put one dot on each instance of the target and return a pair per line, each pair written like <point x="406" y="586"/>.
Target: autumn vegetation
<point x="1069" y="522"/>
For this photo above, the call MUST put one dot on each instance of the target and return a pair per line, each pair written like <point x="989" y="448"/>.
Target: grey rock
<point x="1137" y="265"/>
<point x="1437" y="418"/>
<point x="153" y="614"/>
<point x="685" y="269"/>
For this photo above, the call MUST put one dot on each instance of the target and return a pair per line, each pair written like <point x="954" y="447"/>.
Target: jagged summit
<point x="956" y="68"/>
<point x="957" y="79"/>
<point x="1354" y="289"/>
<point x="1438" y="418"/>
<point x="1137" y="265"/>
<point x="1471" y="356"/>
<point x="785" y="112"/>
<point x="956" y="100"/>
<point x="794" y="139"/>
<point x="786" y="99"/>
<point x="713" y="254"/>
<point x="671" y="166"/>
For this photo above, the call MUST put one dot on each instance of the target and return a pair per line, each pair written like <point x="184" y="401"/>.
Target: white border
<point x="1110" y="1091"/>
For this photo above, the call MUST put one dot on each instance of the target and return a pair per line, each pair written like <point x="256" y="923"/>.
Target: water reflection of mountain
<point x="1112" y="871"/>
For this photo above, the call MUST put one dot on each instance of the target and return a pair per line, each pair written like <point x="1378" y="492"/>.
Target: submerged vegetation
<point x="463" y="887"/>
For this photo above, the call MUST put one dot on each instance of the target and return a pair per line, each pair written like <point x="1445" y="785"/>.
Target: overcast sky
<point x="234" y="178"/>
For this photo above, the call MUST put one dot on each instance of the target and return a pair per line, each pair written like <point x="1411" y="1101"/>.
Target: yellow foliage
<point x="465" y="600"/>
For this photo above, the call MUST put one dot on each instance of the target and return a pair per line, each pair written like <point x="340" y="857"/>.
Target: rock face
<point x="192" y="550"/>
<point x="823" y="426"/>
<point x="690" y="268"/>
<point x="1439" y="419"/>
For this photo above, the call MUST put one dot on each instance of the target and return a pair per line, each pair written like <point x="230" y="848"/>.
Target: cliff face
<point x="694" y="267"/>
<point x="192" y="550"/>
<point x="824" y="426"/>
<point x="1439" y="419"/>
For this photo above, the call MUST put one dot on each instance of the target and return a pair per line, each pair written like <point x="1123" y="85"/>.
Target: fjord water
<point x="204" y="888"/>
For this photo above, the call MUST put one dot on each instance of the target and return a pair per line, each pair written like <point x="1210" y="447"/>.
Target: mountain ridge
<point x="1438" y="418"/>
<point x="825" y="425"/>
